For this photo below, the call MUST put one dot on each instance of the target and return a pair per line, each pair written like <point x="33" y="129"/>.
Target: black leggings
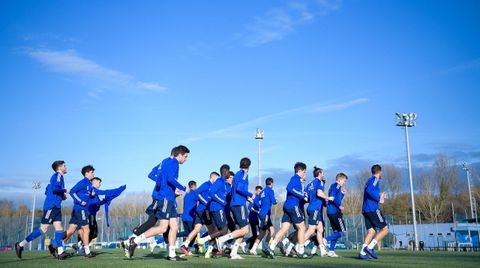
<point x="255" y="231"/>
<point x="151" y="221"/>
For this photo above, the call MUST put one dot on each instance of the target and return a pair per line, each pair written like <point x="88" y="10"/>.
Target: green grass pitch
<point x="143" y="258"/>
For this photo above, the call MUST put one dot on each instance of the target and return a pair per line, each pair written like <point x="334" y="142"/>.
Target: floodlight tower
<point x="259" y="136"/>
<point x="35" y="186"/>
<point x="408" y="120"/>
<point x="467" y="170"/>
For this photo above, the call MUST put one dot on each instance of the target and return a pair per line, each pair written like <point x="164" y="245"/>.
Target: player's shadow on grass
<point x="26" y="260"/>
<point x="156" y="255"/>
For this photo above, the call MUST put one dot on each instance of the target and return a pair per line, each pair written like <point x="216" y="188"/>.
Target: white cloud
<point x="70" y="63"/>
<point x="339" y="106"/>
<point x="230" y="130"/>
<point x="277" y="23"/>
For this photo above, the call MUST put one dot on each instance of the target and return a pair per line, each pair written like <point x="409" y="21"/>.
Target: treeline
<point x="439" y="192"/>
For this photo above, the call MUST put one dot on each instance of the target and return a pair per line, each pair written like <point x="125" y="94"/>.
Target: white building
<point x="437" y="235"/>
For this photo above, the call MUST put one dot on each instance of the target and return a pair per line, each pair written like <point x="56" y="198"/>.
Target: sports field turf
<point x="143" y="258"/>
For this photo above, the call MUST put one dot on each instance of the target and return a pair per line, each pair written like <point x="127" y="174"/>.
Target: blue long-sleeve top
<point x="371" y="195"/>
<point x="315" y="202"/>
<point x="103" y="197"/>
<point x="218" y="194"/>
<point x="54" y="192"/>
<point x="96" y="201"/>
<point x="294" y="193"/>
<point x="254" y="209"/>
<point x="267" y="200"/>
<point x="189" y="205"/>
<point x="168" y="179"/>
<point x="203" y="199"/>
<point x="156" y="176"/>
<point x="240" y="192"/>
<point x="81" y="193"/>
<point x="335" y="191"/>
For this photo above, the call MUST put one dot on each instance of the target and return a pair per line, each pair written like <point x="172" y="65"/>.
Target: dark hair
<point x="269" y="181"/>
<point x="86" y="169"/>
<point x="232" y="173"/>
<point x="225" y="170"/>
<point x="376" y="168"/>
<point x="180" y="149"/>
<point x="97" y="178"/>
<point x="191" y="183"/>
<point x="57" y="164"/>
<point x="341" y="174"/>
<point x="258" y="187"/>
<point x="317" y="171"/>
<point x="245" y="162"/>
<point x="300" y="166"/>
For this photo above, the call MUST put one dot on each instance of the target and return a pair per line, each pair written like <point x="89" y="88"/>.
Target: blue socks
<point x="58" y="238"/>
<point x="333" y="243"/>
<point x="36" y="233"/>
<point x="333" y="239"/>
<point x="335" y="236"/>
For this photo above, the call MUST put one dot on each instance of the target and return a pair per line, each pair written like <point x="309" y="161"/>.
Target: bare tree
<point x="392" y="180"/>
<point x="426" y="199"/>
<point x="436" y="189"/>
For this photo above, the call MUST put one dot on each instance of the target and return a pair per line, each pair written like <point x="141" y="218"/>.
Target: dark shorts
<point x="79" y="217"/>
<point x="253" y="217"/>
<point x="265" y="222"/>
<point x="293" y="215"/>
<point x="203" y="217"/>
<point x="52" y="215"/>
<point x="162" y="209"/>
<point x="219" y="219"/>
<point x="314" y="217"/>
<point x="196" y="219"/>
<point x="374" y="219"/>
<point x="336" y="221"/>
<point x="240" y="215"/>
<point x="188" y="226"/>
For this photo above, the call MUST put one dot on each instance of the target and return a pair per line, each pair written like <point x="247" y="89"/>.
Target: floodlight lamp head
<point x="259" y="135"/>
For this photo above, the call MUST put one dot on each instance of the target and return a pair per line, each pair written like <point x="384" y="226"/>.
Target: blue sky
<point x="116" y="84"/>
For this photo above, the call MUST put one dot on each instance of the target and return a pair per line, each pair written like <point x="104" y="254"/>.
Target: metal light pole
<point x="36" y="185"/>
<point x="259" y="136"/>
<point x="408" y="120"/>
<point x="467" y="170"/>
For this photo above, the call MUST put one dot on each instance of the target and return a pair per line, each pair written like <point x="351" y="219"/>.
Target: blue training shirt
<point x="189" y="206"/>
<point x="267" y="200"/>
<point x="54" y="192"/>
<point x="371" y="195"/>
<point x="218" y="194"/>
<point x="315" y="202"/>
<point x="81" y="192"/>
<point x="240" y="192"/>
<point x="295" y="193"/>
<point x="335" y="191"/>
<point x="203" y="199"/>
<point x="168" y="179"/>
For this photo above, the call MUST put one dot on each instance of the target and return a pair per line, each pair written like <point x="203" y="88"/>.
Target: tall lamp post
<point x="35" y="186"/>
<point x="408" y="120"/>
<point x="259" y="137"/>
<point x="467" y="170"/>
